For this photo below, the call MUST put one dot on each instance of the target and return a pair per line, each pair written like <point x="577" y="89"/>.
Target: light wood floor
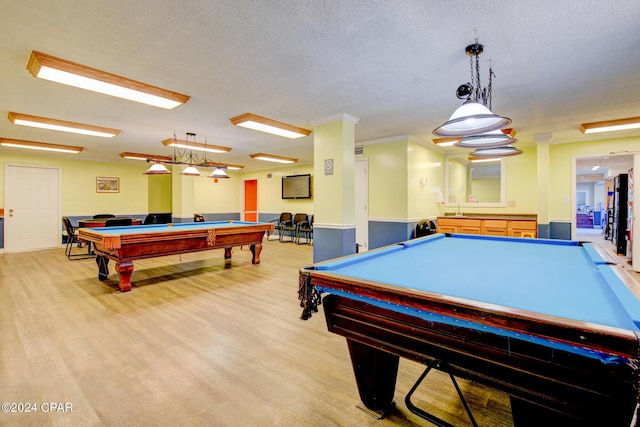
<point x="193" y="344"/>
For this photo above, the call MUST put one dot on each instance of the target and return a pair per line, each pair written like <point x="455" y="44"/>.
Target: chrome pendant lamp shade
<point x="471" y="118"/>
<point x="494" y="138"/>
<point x="495" y="152"/>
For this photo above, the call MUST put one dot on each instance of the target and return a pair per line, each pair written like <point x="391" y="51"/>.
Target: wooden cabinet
<point x="460" y="225"/>
<point x="494" y="226"/>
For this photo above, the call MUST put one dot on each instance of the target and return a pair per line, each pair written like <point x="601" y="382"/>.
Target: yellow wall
<point x="561" y="157"/>
<point x="270" y="190"/>
<point x="79" y="196"/>
<point x="521" y="187"/>
<point x="160" y="194"/>
<point x="522" y="182"/>
<point x="396" y="170"/>
<point x="425" y="181"/>
<point x="387" y="180"/>
<point x="141" y="194"/>
<point x="457" y="182"/>
<point x="223" y="196"/>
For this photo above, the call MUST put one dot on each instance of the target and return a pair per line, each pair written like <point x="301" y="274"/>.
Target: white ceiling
<point x="395" y="65"/>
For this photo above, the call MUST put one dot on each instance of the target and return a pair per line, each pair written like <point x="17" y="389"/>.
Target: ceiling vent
<point x="359" y="150"/>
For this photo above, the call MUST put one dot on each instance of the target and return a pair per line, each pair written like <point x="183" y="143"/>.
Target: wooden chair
<point x="305" y="230"/>
<point x="290" y="228"/>
<point x="284" y="218"/>
<point x="198" y="218"/>
<point x="72" y="239"/>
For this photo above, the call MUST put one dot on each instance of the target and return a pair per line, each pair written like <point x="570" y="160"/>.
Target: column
<point x="334" y="230"/>
<point x="182" y="196"/>
<point x="543" y="171"/>
<point x="634" y="236"/>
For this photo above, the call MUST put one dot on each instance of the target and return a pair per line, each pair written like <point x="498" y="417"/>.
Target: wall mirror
<point x="470" y="183"/>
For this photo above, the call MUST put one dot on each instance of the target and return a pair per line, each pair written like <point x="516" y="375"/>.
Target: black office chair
<point x="425" y="227"/>
<point x="158" y="218"/>
<point x="102" y="216"/>
<point x="289" y="229"/>
<point x="277" y="223"/>
<point x="305" y="230"/>
<point x="72" y="239"/>
<point x="118" y="222"/>
<point x="198" y="218"/>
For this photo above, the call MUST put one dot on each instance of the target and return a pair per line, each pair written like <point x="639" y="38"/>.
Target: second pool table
<point x="548" y="322"/>
<point x="126" y="244"/>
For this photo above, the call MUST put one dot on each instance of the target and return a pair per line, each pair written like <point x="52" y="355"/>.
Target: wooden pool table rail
<point x="124" y="248"/>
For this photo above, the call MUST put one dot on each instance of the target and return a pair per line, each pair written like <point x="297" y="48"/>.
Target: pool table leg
<point x="255" y="251"/>
<point x="125" y="269"/>
<point x="227" y="257"/>
<point x="376" y="372"/>
<point x="103" y="267"/>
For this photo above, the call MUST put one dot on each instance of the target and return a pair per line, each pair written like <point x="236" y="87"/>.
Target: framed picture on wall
<point x="107" y="184"/>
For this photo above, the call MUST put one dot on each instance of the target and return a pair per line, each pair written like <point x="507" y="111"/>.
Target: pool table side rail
<point x="600" y="338"/>
<point x="562" y="381"/>
<point x="102" y="235"/>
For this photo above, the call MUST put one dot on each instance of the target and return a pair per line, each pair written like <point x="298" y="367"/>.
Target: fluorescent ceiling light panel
<point x="142" y="156"/>
<point x="191" y="145"/>
<point x="58" y="70"/>
<point x="264" y="124"/>
<point x="272" y="158"/>
<point x="61" y="125"/>
<point x="17" y="143"/>
<point x="611" y="125"/>
<point x="225" y="165"/>
<point x="445" y="142"/>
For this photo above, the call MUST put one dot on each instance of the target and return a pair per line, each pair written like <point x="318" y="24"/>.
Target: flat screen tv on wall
<point x="296" y="187"/>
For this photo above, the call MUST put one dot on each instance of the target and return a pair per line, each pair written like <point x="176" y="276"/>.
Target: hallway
<point x="608" y="252"/>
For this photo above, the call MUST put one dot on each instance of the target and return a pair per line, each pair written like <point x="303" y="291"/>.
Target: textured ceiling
<point x="395" y="65"/>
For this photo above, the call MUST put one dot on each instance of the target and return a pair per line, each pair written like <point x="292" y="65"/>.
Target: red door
<point x="251" y="200"/>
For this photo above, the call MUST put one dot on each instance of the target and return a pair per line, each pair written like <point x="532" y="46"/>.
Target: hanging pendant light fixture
<point x="474" y="116"/>
<point x="185" y="152"/>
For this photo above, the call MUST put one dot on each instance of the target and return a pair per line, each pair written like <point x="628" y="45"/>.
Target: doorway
<point x="362" y="204"/>
<point x="32" y="208"/>
<point x="592" y="189"/>
<point x="250" y="210"/>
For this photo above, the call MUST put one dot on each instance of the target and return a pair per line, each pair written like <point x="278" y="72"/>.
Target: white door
<point x="32" y="208"/>
<point x="362" y="204"/>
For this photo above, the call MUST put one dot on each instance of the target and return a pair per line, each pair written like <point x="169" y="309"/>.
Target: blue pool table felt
<point x="554" y="277"/>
